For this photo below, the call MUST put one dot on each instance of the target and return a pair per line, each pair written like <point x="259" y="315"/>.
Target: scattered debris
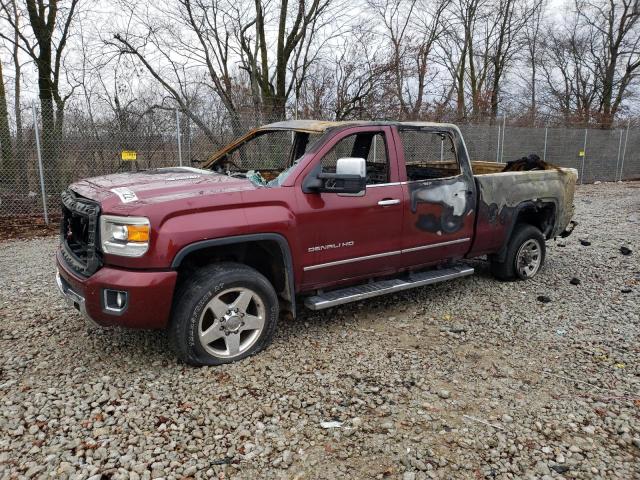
<point x="161" y="419"/>
<point x="525" y="164"/>
<point x="574" y="281"/>
<point x="560" y="468"/>
<point x="444" y="394"/>
<point x="572" y="379"/>
<point x="331" y="424"/>
<point x="469" y="417"/>
<point x="626" y="290"/>
<point x="543" y="299"/>
<point x="458" y="329"/>
<point x="584" y="243"/>
<point x="561" y="331"/>
<point x="222" y="461"/>
<point x="625" y="250"/>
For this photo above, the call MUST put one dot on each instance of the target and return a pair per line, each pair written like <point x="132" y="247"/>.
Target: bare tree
<point x="165" y="36"/>
<point x="512" y="18"/>
<point x="13" y="157"/>
<point x="478" y="33"/>
<point x="411" y="29"/>
<point x="614" y="29"/>
<point x="533" y="46"/>
<point x="297" y="27"/>
<point x="17" y="92"/>
<point x="572" y="82"/>
<point x="6" y="150"/>
<point x="358" y="76"/>
<point x="50" y="31"/>
<point x="452" y="55"/>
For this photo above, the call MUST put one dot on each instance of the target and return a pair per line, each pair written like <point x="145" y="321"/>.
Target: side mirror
<point x="350" y="177"/>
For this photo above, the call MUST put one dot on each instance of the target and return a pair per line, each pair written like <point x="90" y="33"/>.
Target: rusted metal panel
<point x="223" y="151"/>
<point x="319" y="126"/>
<point x="502" y="195"/>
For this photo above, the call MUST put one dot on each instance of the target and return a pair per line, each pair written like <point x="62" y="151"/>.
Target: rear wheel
<point x="525" y="254"/>
<point x="223" y="313"/>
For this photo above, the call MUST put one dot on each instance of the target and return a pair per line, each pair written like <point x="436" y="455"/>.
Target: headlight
<point x="126" y="236"/>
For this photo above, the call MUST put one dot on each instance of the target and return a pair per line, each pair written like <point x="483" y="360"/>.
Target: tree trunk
<point x="48" y="132"/>
<point x="19" y="159"/>
<point x="460" y="71"/>
<point x="533" y="107"/>
<point x="7" y="162"/>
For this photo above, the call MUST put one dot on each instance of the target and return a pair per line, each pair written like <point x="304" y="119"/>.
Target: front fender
<point x="238" y="239"/>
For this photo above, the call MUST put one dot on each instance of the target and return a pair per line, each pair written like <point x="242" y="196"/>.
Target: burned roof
<point x="319" y="126"/>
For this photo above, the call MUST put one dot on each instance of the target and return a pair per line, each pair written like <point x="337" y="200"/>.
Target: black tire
<point x="195" y="294"/>
<point x="508" y="270"/>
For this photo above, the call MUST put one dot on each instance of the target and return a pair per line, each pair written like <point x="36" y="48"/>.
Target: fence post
<point x="615" y="174"/>
<point x="178" y="136"/>
<point x="188" y="141"/>
<point x="504" y="129"/>
<point x="624" y="150"/>
<point x="498" y="145"/>
<point x="39" y="153"/>
<point x="375" y="147"/>
<point x="544" y="152"/>
<point x="584" y="154"/>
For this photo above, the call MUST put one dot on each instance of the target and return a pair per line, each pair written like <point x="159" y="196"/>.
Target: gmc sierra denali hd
<point x="325" y="212"/>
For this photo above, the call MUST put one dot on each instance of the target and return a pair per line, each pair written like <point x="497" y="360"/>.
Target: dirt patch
<point x="27" y="226"/>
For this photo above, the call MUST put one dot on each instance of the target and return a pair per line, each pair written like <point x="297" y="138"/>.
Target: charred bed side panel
<point x="501" y="196"/>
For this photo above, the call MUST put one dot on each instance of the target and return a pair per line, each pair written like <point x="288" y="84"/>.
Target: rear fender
<point x="539" y="213"/>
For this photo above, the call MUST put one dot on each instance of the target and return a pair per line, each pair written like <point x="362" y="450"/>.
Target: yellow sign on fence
<point x="580" y="153"/>
<point x="129" y="155"/>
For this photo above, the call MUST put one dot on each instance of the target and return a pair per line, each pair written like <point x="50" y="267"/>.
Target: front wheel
<point x="525" y="254"/>
<point x="223" y="313"/>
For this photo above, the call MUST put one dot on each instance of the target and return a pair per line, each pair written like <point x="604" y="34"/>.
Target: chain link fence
<point x="37" y="164"/>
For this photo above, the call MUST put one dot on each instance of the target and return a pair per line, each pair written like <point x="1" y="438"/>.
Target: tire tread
<point x="191" y="290"/>
<point x="506" y="270"/>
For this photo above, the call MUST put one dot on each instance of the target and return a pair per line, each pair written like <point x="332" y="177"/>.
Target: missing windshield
<point x="264" y="155"/>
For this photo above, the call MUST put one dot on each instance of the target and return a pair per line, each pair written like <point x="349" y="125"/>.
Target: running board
<point x="382" y="287"/>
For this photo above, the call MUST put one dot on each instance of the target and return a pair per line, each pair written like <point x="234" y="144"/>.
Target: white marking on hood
<point x="125" y="194"/>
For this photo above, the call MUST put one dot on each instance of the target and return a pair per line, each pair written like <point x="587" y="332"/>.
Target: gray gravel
<point x="469" y="379"/>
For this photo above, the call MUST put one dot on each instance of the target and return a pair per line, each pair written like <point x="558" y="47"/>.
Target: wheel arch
<point x="539" y="213"/>
<point x="268" y="253"/>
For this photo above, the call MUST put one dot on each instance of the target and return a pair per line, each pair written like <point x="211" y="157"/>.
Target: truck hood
<point x="158" y="185"/>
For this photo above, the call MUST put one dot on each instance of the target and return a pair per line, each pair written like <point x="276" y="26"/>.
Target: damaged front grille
<point x="79" y="233"/>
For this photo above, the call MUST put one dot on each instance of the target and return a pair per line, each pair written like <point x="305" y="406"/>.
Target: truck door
<point x="439" y="195"/>
<point x="344" y="236"/>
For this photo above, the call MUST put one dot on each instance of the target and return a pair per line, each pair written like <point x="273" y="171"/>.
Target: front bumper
<point x="150" y="295"/>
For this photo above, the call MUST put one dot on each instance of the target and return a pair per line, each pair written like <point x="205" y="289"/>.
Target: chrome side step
<point x="382" y="287"/>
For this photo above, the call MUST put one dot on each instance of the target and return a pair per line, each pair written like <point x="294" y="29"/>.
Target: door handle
<point x="388" y="201"/>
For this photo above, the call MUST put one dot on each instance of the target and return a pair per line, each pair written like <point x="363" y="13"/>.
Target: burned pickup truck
<point x="297" y="212"/>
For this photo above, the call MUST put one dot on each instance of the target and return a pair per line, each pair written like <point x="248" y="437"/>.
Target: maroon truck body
<point x="319" y="240"/>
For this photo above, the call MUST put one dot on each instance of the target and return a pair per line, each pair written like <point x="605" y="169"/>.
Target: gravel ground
<point x="469" y="379"/>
